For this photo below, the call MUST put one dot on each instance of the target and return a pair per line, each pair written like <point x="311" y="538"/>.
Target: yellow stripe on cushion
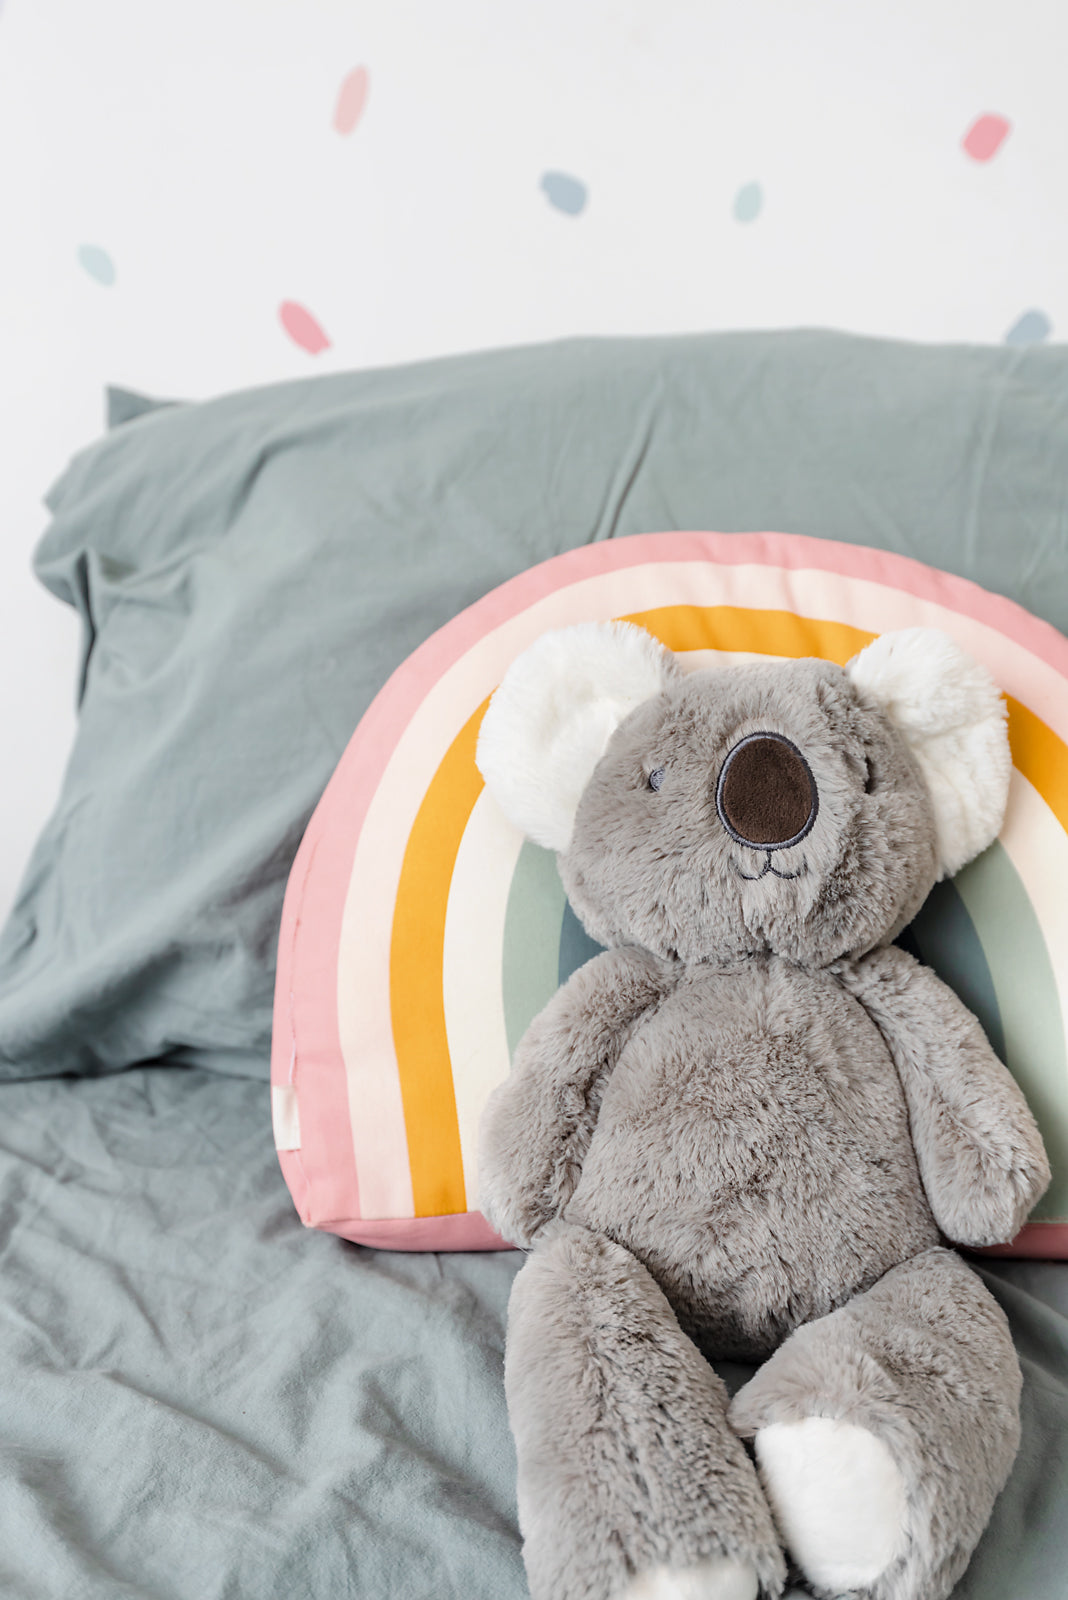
<point x="773" y="633"/>
<point x="416" y="962"/>
<point x="1041" y="756"/>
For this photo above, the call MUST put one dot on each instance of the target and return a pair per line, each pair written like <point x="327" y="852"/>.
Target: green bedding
<point x="250" y="570"/>
<point x="201" y="1401"/>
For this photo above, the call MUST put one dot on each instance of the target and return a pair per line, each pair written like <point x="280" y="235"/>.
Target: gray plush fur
<point x="925" y="1361"/>
<point x="639" y="1465"/>
<point x="744" y="1127"/>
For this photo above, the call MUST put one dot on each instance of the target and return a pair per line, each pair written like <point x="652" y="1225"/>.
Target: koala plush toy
<point x="747" y="1129"/>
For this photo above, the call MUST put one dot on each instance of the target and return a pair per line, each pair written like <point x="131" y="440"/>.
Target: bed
<point x="200" y="1399"/>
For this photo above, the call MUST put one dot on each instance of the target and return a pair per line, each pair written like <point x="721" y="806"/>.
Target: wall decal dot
<point x="97" y="263"/>
<point x="748" y="202"/>
<point x="302" y="327"/>
<point x="351" y="99"/>
<point x="566" y="193"/>
<point x="1031" y="328"/>
<point x="986" y="136"/>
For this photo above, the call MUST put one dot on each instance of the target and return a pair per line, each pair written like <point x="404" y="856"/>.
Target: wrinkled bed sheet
<point x="199" y="1400"/>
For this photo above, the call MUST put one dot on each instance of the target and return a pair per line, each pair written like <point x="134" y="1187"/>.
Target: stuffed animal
<point x="746" y="1130"/>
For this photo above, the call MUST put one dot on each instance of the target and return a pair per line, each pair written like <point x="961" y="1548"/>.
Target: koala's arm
<point x="979" y="1151"/>
<point x="537" y="1125"/>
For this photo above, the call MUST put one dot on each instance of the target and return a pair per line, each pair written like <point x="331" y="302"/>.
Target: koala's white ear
<point x="558" y="705"/>
<point x="954" y="718"/>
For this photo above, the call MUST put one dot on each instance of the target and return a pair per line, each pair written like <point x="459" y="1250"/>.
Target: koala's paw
<point x="718" y="1578"/>
<point x="838" y="1497"/>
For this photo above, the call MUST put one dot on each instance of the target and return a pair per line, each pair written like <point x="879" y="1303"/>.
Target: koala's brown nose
<point x="766" y="795"/>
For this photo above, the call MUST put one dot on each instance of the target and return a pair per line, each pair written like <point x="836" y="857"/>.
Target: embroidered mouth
<point x="755" y="877"/>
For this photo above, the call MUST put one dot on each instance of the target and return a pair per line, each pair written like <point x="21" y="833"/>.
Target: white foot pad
<point x="838" y="1498"/>
<point x="714" y="1579"/>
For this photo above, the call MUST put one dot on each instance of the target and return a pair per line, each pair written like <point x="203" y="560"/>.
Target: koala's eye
<point x="871" y="776"/>
<point x="656" y="778"/>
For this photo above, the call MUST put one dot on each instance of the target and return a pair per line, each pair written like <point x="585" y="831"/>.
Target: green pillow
<point x="251" y="569"/>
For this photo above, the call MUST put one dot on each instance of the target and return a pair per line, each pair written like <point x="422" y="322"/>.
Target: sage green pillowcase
<point x="251" y="569"/>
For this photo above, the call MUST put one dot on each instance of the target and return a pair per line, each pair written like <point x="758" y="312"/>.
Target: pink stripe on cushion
<point x="461" y="1230"/>
<point x="306" y="1048"/>
<point x="1043" y="1240"/>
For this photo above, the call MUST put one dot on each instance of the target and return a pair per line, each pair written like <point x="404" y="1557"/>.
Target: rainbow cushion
<point x="421" y="933"/>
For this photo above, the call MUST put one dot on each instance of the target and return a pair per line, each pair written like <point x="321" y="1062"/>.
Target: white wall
<point x="195" y="145"/>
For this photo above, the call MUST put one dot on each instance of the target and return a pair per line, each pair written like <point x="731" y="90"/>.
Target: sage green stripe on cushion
<point x="576" y="946"/>
<point x="947" y="939"/>
<point x="1033" y="1028"/>
<point x="544" y="941"/>
<point x="530" y="960"/>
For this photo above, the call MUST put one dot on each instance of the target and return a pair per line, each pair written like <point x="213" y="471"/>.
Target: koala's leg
<point x="885" y="1431"/>
<point x="631" y="1482"/>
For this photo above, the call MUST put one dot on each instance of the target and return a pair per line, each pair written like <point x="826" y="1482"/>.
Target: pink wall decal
<point x="986" y="136"/>
<point x="302" y="327"/>
<point x="351" y="99"/>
